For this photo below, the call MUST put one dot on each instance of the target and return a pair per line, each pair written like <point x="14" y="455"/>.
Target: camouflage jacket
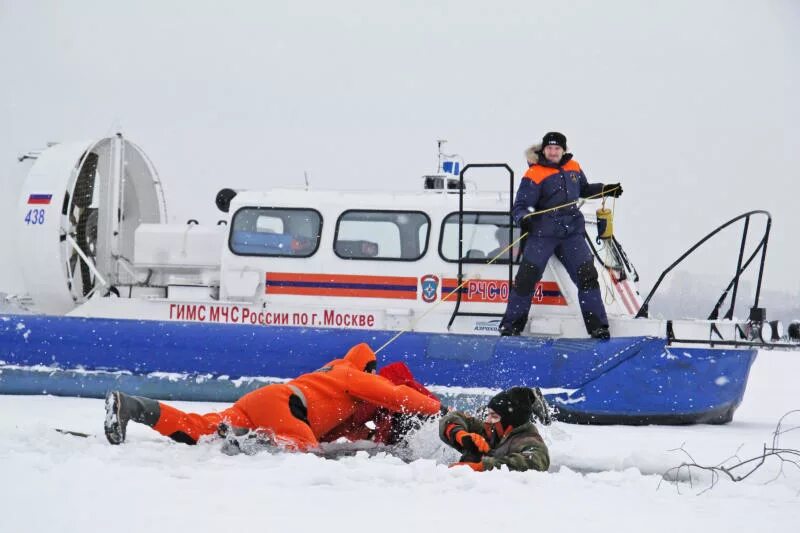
<point x="521" y="449"/>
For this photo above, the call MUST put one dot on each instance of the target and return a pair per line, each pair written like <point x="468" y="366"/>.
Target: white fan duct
<point x="78" y="209"/>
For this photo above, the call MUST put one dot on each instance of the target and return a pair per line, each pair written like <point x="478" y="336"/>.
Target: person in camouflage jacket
<point x="506" y="437"/>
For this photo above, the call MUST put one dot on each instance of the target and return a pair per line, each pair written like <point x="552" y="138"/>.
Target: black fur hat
<point x="515" y="405"/>
<point x="554" y="137"/>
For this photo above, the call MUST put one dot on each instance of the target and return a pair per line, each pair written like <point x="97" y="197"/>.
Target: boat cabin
<point x="367" y="259"/>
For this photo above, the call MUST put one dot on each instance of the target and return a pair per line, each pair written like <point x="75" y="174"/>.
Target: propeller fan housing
<point x="78" y="210"/>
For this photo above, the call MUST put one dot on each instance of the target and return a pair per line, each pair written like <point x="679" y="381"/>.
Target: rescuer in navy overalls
<point x="554" y="178"/>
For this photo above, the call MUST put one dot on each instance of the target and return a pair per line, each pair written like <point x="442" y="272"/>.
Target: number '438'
<point x="34" y="216"/>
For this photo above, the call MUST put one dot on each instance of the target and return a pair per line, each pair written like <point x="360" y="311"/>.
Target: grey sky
<point x="692" y="105"/>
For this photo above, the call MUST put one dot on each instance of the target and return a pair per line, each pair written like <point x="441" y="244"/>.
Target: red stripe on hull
<point x="341" y="278"/>
<point x="342" y="292"/>
<point x="496" y="291"/>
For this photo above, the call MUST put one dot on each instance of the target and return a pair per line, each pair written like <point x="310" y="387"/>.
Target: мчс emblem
<point x="430" y="286"/>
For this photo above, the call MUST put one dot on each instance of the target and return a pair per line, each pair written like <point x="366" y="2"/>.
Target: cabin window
<point x="275" y="232"/>
<point x="382" y="235"/>
<point x="485" y="235"/>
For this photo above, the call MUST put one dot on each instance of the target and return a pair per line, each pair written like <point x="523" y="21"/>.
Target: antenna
<point x="439" y="143"/>
<point x="115" y="128"/>
<point x="305" y="176"/>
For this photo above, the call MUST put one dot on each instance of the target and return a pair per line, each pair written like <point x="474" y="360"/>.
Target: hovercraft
<point x="288" y="278"/>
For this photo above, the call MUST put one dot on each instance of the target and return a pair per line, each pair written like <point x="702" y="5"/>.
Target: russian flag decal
<point x="39" y="199"/>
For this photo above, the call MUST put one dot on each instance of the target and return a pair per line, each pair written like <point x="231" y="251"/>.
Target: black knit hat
<point x="553" y="137"/>
<point x="515" y="405"/>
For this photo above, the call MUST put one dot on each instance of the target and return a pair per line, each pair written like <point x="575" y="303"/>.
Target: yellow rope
<point x="495" y="258"/>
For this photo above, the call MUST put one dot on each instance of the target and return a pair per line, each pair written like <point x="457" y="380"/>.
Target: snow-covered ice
<point x="602" y="478"/>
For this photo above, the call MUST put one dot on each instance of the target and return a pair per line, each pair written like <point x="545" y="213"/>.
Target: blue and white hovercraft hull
<point x="625" y="380"/>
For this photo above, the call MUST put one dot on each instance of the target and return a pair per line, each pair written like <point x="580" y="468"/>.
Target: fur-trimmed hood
<point x="532" y="153"/>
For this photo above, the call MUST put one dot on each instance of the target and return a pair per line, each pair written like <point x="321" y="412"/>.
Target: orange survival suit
<point x="386" y="427"/>
<point x="306" y="408"/>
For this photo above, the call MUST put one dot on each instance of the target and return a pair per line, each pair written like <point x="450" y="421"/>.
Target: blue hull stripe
<point x="627" y="376"/>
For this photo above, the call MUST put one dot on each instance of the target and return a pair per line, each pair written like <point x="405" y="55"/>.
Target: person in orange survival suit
<point x="387" y="427"/>
<point x="296" y="413"/>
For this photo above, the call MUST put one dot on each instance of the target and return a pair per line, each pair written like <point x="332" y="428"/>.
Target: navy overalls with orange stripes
<point x="560" y="232"/>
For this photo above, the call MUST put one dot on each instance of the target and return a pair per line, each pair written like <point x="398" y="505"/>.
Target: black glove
<point x="612" y="189"/>
<point x="525" y="224"/>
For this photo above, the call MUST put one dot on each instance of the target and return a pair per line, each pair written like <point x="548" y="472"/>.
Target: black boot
<point x="595" y="327"/>
<point x="540" y="408"/>
<point x="122" y="408"/>
<point x="513" y="329"/>
<point x="507" y="332"/>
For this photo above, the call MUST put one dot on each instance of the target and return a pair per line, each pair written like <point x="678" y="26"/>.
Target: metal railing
<point x="457" y="310"/>
<point x="740" y="268"/>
